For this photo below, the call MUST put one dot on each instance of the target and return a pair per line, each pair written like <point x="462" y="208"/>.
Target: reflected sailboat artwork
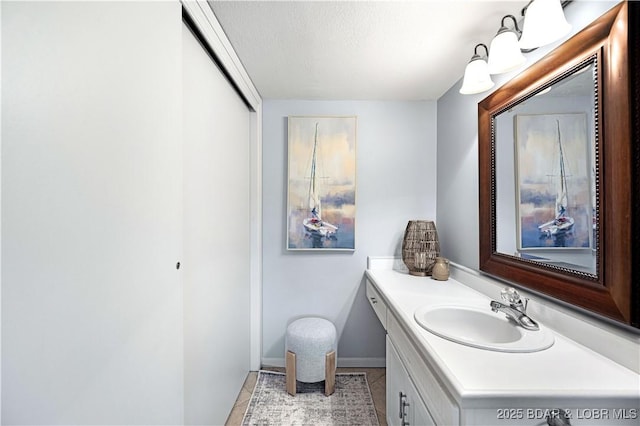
<point x="554" y="204"/>
<point x="562" y="223"/>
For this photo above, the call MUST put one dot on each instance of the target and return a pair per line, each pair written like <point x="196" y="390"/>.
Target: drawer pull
<point x="401" y="404"/>
<point x="405" y="404"/>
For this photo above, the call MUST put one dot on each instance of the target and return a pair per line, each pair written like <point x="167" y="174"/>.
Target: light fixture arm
<point x="475" y="52"/>
<point x="504" y="28"/>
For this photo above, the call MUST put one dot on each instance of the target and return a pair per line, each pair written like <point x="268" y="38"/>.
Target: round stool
<point x="310" y="353"/>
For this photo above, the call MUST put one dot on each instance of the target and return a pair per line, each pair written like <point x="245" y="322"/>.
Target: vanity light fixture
<point x="544" y="23"/>
<point x="476" y="74"/>
<point x="505" y="54"/>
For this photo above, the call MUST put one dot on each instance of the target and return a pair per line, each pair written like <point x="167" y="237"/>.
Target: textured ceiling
<point x="374" y="50"/>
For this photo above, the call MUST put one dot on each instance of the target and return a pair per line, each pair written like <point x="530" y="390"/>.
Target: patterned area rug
<point x="351" y="404"/>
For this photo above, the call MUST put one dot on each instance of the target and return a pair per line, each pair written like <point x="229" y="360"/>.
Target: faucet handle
<point x="509" y="294"/>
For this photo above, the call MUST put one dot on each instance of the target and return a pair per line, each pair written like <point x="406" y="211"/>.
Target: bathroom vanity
<point x="433" y="380"/>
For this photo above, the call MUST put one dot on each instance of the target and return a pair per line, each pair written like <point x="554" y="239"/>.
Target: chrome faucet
<point x="516" y="309"/>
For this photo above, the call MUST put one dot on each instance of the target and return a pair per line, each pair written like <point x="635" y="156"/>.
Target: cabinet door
<point x="396" y="385"/>
<point x="419" y="413"/>
<point x="404" y="405"/>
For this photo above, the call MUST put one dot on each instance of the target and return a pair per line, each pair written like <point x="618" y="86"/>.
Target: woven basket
<point x="420" y="247"/>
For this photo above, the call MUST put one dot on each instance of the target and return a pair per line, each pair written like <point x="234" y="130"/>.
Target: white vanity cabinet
<point x="414" y="395"/>
<point x="433" y="381"/>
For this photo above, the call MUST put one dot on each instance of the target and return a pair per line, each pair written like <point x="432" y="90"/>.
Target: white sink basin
<point x="481" y="328"/>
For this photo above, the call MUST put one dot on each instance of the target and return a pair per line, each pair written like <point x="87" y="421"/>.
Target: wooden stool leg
<point x="330" y="373"/>
<point x="290" y="370"/>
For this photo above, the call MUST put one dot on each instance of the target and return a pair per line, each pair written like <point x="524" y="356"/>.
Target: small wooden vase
<point x="440" y="269"/>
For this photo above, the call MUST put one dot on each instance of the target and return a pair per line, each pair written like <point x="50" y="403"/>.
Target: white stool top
<point x="311" y="339"/>
<point x="312" y="328"/>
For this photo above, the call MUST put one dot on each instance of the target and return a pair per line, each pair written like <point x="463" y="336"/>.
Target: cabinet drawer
<point x="377" y="304"/>
<point x="441" y="406"/>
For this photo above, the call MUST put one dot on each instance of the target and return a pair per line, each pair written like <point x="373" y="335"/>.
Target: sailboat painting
<point x="553" y="168"/>
<point x="321" y="199"/>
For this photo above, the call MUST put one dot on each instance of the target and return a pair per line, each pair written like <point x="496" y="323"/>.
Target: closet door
<point x="91" y="213"/>
<point x="216" y="128"/>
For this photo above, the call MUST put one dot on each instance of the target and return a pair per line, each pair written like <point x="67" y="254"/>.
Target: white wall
<point x="92" y="301"/>
<point x="396" y="182"/>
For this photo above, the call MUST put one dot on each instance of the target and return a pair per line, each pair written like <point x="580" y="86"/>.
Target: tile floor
<point x="375" y="376"/>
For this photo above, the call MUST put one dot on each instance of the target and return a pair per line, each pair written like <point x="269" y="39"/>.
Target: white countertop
<point x="566" y="372"/>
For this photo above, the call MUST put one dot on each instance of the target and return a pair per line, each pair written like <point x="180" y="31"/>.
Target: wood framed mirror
<point x="559" y="172"/>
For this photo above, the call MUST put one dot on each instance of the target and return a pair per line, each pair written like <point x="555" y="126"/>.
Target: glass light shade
<point x="476" y="77"/>
<point x="504" y="53"/>
<point x="544" y="23"/>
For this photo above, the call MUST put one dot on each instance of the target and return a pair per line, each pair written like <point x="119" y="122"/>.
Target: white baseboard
<point x="342" y="362"/>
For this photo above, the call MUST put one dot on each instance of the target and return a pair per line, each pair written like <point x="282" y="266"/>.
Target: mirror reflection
<point x="546" y="152"/>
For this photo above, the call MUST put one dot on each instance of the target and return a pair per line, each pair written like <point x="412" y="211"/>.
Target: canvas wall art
<point x="321" y="199"/>
<point x="555" y="199"/>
